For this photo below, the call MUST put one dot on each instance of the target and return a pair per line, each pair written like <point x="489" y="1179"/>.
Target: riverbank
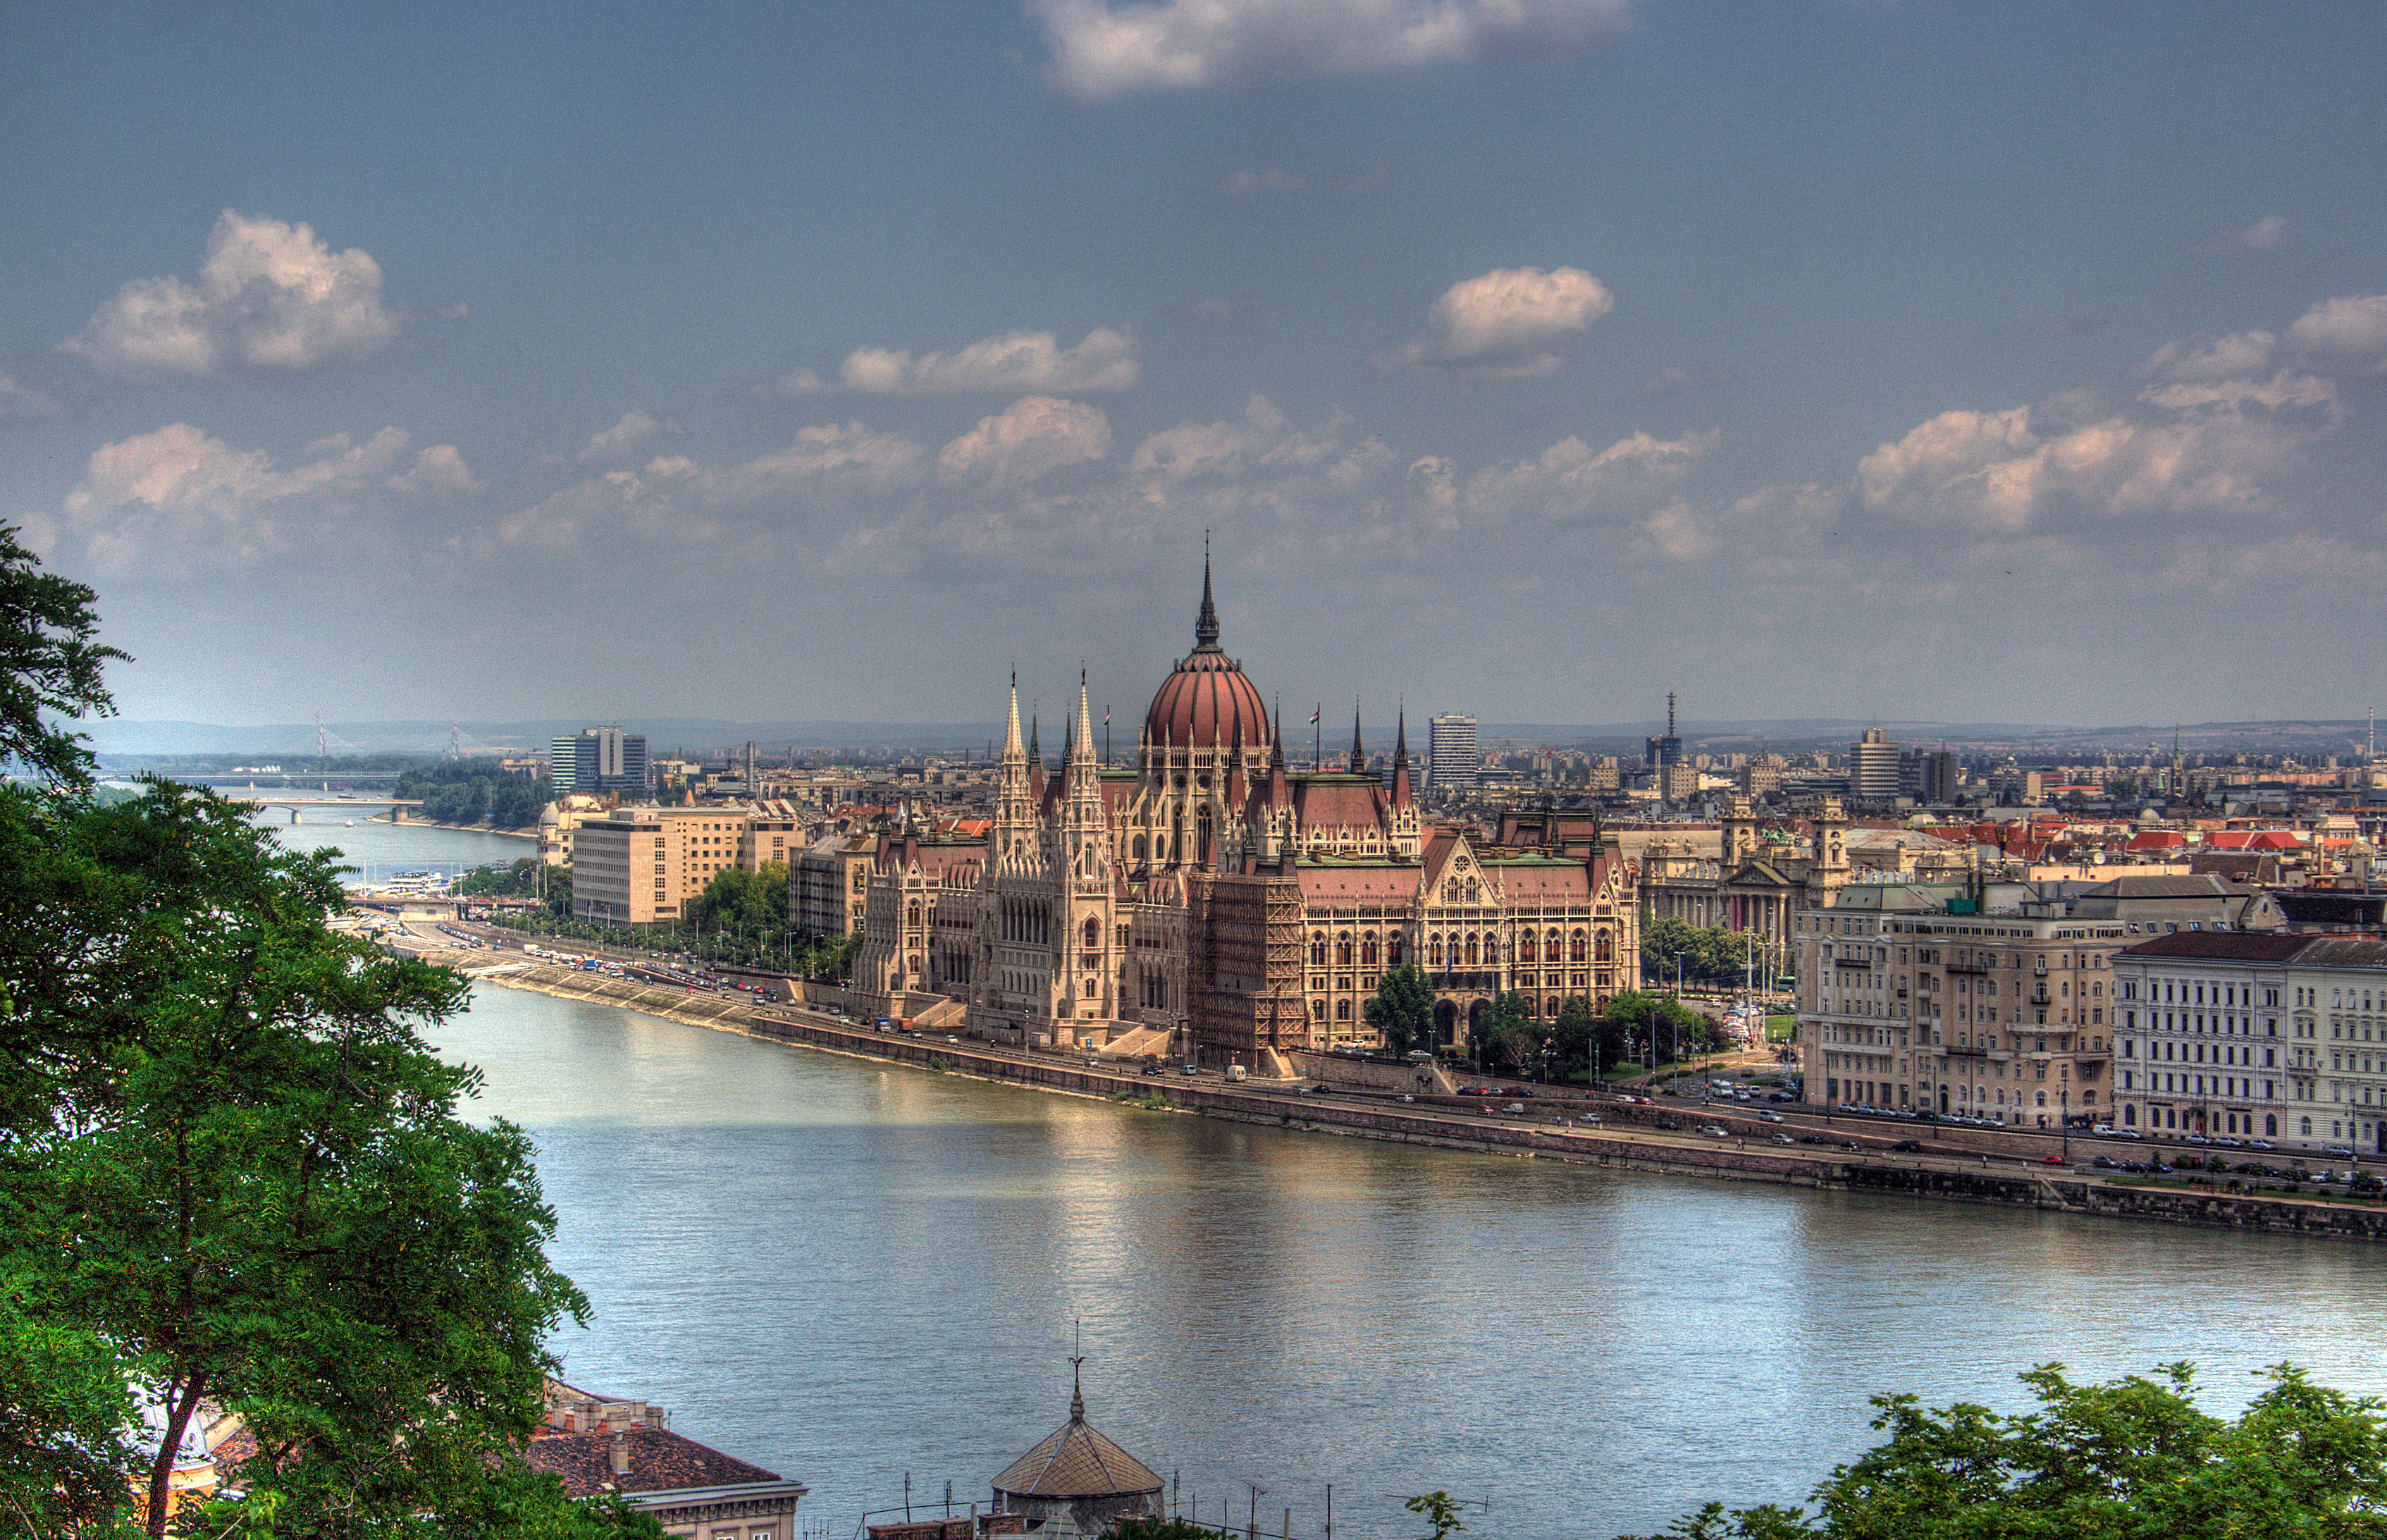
<point x="458" y="828"/>
<point x="1870" y="1167"/>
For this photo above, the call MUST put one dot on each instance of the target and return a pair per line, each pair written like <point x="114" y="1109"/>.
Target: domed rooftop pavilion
<point x="1080" y="1474"/>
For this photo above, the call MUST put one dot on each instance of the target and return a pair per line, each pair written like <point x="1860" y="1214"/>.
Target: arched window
<point x="1491" y="951"/>
<point x="1140" y="843"/>
<point x="1094" y="933"/>
<point x="1394" y="950"/>
<point x="1474" y="892"/>
<point x="1434" y="950"/>
<point x="1317" y="950"/>
<point x="1525" y="952"/>
<point x="1342" y="950"/>
<point x="2308" y="1127"/>
<point x="912" y="915"/>
<point x="1574" y="948"/>
<point x="1473" y="951"/>
<point x="1607" y="951"/>
<point x="1317" y="1010"/>
<point x="1450" y="891"/>
<point x="1368" y="950"/>
<point x="1554" y="1007"/>
<point x="2270" y="1124"/>
<point x="1342" y="1010"/>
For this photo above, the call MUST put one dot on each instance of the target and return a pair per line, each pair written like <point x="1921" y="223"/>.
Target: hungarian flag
<point x="1106" y="716"/>
<point x="1313" y="715"/>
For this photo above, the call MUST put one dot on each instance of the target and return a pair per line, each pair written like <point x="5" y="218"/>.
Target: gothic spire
<point x="1011" y="731"/>
<point x="1358" y="751"/>
<point x="1205" y="629"/>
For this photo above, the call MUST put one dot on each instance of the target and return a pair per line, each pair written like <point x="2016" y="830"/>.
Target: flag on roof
<point x="1321" y="706"/>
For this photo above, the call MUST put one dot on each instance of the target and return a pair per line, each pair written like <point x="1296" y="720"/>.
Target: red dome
<point x="1206" y="703"/>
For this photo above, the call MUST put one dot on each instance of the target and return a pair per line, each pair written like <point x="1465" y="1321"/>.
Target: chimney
<point x="621" y="1451"/>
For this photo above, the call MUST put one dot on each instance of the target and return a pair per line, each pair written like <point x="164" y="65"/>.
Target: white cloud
<point x="1568" y="480"/>
<point x="2347" y="334"/>
<point x="176" y="501"/>
<point x="1262" y="442"/>
<point x="2267" y="233"/>
<point x="1507" y="324"/>
<point x="19" y="401"/>
<point x="672" y="499"/>
<point x="270" y="296"/>
<point x="1014" y="361"/>
<point x="2209" y="357"/>
<point x="1027" y="440"/>
<point x="638" y="428"/>
<point x="1101" y="49"/>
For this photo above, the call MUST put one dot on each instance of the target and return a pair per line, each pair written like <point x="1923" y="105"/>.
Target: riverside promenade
<point x="1608" y="1133"/>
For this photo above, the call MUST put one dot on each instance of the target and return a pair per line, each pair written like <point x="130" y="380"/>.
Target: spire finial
<point x="1358" y="751"/>
<point x="1076" y="1359"/>
<point x="1205" y="629"/>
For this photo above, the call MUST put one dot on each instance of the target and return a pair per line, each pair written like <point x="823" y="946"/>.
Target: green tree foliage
<point x="1571" y="1036"/>
<point x="50" y="663"/>
<point x="1163" y="1529"/>
<point x="755" y="901"/>
<point x="1440" y="1511"/>
<point x="1710" y="954"/>
<point x="1510" y="1034"/>
<point x="232" y="1163"/>
<point x="454" y="792"/>
<point x="520" y="878"/>
<point x="1402" y="1008"/>
<point x="1646" y="1019"/>
<point x="2131" y="1459"/>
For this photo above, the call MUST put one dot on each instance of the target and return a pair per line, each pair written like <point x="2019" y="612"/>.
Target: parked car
<point x="1814" y="1138"/>
<point x="1712" y="1131"/>
<point x="1769" y="1115"/>
<point x="1408" y="1098"/>
<point x="1907" y="1146"/>
<point x="1670" y="1125"/>
<point x="2050" y="1160"/>
<point x="1784" y="1138"/>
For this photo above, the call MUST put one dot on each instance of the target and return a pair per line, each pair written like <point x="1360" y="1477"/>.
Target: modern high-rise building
<point x="597" y="760"/>
<point x="1873" y="767"/>
<point x="1452" y="758"/>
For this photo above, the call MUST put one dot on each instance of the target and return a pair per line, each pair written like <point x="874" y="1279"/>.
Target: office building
<point x="1664" y="752"/>
<point x="597" y="760"/>
<point x="1452" y="758"/>
<point x="1873" y="768"/>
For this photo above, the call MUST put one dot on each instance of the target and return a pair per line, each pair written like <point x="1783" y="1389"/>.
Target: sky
<point x="1528" y="358"/>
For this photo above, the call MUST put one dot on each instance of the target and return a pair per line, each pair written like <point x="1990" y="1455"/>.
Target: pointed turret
<point x="1035" y="758"/>
<point x="1401" y="793"/>
<point x="1011" y="748"/>
<point x="1358" y="750"/>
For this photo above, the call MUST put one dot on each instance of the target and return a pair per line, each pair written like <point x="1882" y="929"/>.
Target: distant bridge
<point x="397" y="805"/>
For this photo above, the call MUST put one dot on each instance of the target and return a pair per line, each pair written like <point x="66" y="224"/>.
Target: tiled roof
<point x="1076" y="1462"/>
<point x="1543" y="881"/>
<point x="2237" y="946"/>
<point x="1359" y="882"/>
<point x="659" y="1461"/>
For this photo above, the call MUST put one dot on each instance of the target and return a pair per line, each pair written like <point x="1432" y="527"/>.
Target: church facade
<point x="1213" y="903"/>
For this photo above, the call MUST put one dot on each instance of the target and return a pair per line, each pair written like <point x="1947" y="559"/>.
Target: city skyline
<point x="1529" y="363"/>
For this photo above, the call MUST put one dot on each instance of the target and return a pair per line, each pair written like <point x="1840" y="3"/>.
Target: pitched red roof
<point x="659" y="1461"/>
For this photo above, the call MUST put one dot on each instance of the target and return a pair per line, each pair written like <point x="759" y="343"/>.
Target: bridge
<point x="254" y="798"/>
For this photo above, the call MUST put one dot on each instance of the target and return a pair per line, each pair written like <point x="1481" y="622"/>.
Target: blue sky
<point x="1528" y="358"/>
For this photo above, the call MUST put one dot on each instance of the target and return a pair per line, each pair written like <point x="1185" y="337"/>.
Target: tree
<point x="1402" y="1008"/>
<point x="1508" y="1031"/>
<point x="1571" y="1036"/>
<point x="255" y="1190"/>
<point x="49" y="663"/>
<point x="2131" y="1459"/>
<point x="1653" y="1021"/>
<point x="1440" y="1511"/>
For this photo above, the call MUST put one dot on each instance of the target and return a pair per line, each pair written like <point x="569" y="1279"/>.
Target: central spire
<point x="1205" y="630"/>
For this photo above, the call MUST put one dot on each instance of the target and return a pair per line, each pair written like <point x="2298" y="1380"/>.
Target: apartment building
<point x="2281" y="1037"/>
<point x="1987" y="1000"/>
<point x="827" y="883"/>
<point x="639" y="866"/>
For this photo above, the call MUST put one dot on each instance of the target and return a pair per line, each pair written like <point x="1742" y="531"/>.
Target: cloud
<point x="1027" y="440"/>
<point x="2346" y="336"/>
<point x="638" y="428"/>
<point x="2267" y="233"/>
<point x="1507" y="324"/>
<point x="1101" y="49"/>
<point x="1569" y="481"/>
<point x="270" y="296"/>
<point x="2209" y="357"/>
<point x="1014" y="361"/>
<point x="1262" y="441"/>
<point x="176" y="501"/>
<point x="19" y="400"/>
<point x="672" y="499"/>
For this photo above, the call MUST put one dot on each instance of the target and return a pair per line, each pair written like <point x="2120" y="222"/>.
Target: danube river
<point x="847" y="1272"/>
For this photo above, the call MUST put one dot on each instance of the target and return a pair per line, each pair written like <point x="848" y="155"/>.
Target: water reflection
<point x="845" y="1271"/>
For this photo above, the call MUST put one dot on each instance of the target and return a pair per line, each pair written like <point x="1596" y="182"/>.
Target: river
<point x="846" y="1272"/>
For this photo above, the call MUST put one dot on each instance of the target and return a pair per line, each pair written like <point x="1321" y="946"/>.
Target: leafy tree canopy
<point x="1402" y="1008"/>
<point x="50" y="663"/>
<point x="2131" y="1459"/>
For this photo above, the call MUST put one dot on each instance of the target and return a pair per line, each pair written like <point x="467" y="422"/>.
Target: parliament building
<point x="1211" y="902"/>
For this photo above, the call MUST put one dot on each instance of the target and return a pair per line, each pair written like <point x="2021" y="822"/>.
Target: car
<point x="1769" y="1115"/>
<point x="1712" y="1131"/>
<point x="1814" y="1138"/>
<point x="1518" y="1091"/>
<point x="1780" y="1096"/>
<point x="953" y="1039"/>
<point x="1784" y="1138"/>
<point x="1515" y="1109"/>
<point x="2343" y="1152"/>
<point x="2260" y="1144"/>
<point x="2198" y="1138"/>
<point x="1151" y="1070"/>
<point x="1851" y="1145"/>
<point x="2225" y="1142"/>
<point x="2106" y="1162"/>
<point x="1408" y="1098"/>
<point x="1907" y="1146"/>
<point x="2052" y="1160"/>
<point x="1321" y="1091"/>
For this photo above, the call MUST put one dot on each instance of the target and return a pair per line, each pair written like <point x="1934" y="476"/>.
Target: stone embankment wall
<point x="1336" y="1069"/>
<point x="1616" y="1141"/>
